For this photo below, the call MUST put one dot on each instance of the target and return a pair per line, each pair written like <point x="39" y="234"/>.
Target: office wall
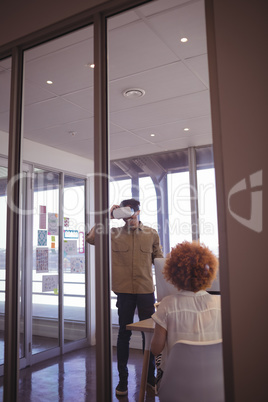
<point x="238" y="64"/>
<point x="19" y="18"/>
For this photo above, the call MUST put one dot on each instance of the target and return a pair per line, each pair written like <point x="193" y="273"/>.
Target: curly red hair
<point x="191" y="266"/>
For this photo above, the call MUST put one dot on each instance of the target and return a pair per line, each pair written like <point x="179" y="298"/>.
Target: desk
<point x="146" y="326"/>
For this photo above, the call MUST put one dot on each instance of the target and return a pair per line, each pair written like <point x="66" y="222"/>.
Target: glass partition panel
<point x="159" y="112"/>
<point x="5" y="81"/>
<point x="159" y="100"/>
<point x="58" y="137"/>
<point x="74" y="276"/>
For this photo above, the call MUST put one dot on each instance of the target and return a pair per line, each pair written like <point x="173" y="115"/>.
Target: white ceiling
<point x="144" y="52"/>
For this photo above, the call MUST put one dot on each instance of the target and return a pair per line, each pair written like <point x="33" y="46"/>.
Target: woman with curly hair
<point x="192" y="314"/>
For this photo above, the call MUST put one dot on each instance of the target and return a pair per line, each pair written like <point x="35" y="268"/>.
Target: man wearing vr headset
<point x="134" y="248"/>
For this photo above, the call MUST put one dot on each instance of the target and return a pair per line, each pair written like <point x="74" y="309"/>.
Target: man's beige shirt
<point x="133" y="253"/>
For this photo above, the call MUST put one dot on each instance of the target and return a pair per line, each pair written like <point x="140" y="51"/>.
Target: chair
<point x="193" y="373"/>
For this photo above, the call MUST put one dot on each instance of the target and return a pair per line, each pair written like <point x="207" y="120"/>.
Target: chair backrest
<point x="193" y="373"/>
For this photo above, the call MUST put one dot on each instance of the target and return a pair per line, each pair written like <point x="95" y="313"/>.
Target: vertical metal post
<point x="193" y="193"/>
<point x="135" y="187"/>
<point x="162" y="213"/>
<point x="102" y="249"/>
<point x="11" y="363"/>
<point x="60" y="264"/>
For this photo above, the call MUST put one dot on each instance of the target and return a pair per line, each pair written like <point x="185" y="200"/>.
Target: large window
<point x="58" y="137"/>
<point x="208" y="223"/>
<point x="179" y="207"/>
<point x="148" y="202"/>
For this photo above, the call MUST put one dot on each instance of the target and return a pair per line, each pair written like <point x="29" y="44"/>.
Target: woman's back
<point x="189" y="316"/>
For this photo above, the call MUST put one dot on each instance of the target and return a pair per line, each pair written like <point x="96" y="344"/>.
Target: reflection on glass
<point x="74" y="259"/>
<point x="45" y="299"/>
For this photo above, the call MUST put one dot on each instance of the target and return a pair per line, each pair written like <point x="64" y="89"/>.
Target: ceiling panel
<point x="135" y="48"/>
<point x="144" y="52"/>
<point x="187" y="22"/>
<point x="67" y="68"/>
<point x="160" y="83"/>
<point x="175" y="130"/>
<point x="117" y="21"/>
<point x="82" y="98"/>
<point x="83" y="148"/>
<point x="53" y="46"/>
<point x="160" y="5"/>
<point x="33" y="93"/>
<point x="185" y="142"/>
<point x="72" y="131"/>
<point x="4" y="122"/>
<point x="199" y="66"/>
<point x="5" y="81"/>
<point x="126" y="139"/>
<point x="50" y="113"/>
<point x="170" y="110"/>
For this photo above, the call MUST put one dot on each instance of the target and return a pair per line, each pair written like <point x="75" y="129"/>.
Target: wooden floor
<point x="72" y="378"/>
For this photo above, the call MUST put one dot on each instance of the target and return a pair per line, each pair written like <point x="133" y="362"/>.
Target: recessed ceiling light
<point x="152" y="135"/>
<point x="49" y="82"/>
<point x="186" y="129"/>
<point x="73" y="133"/>
<point x="134" y="93"/>
<point x="184" y="40"/>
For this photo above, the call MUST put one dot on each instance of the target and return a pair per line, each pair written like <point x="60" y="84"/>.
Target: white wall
<point x="54" y="158"/>
<point x="33" y="152"/>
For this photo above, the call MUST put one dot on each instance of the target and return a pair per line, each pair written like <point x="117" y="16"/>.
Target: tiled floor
<point x="72" y="378"/>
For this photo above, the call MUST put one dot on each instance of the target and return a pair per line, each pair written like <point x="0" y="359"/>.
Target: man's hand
<point x="111" y="210"/>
